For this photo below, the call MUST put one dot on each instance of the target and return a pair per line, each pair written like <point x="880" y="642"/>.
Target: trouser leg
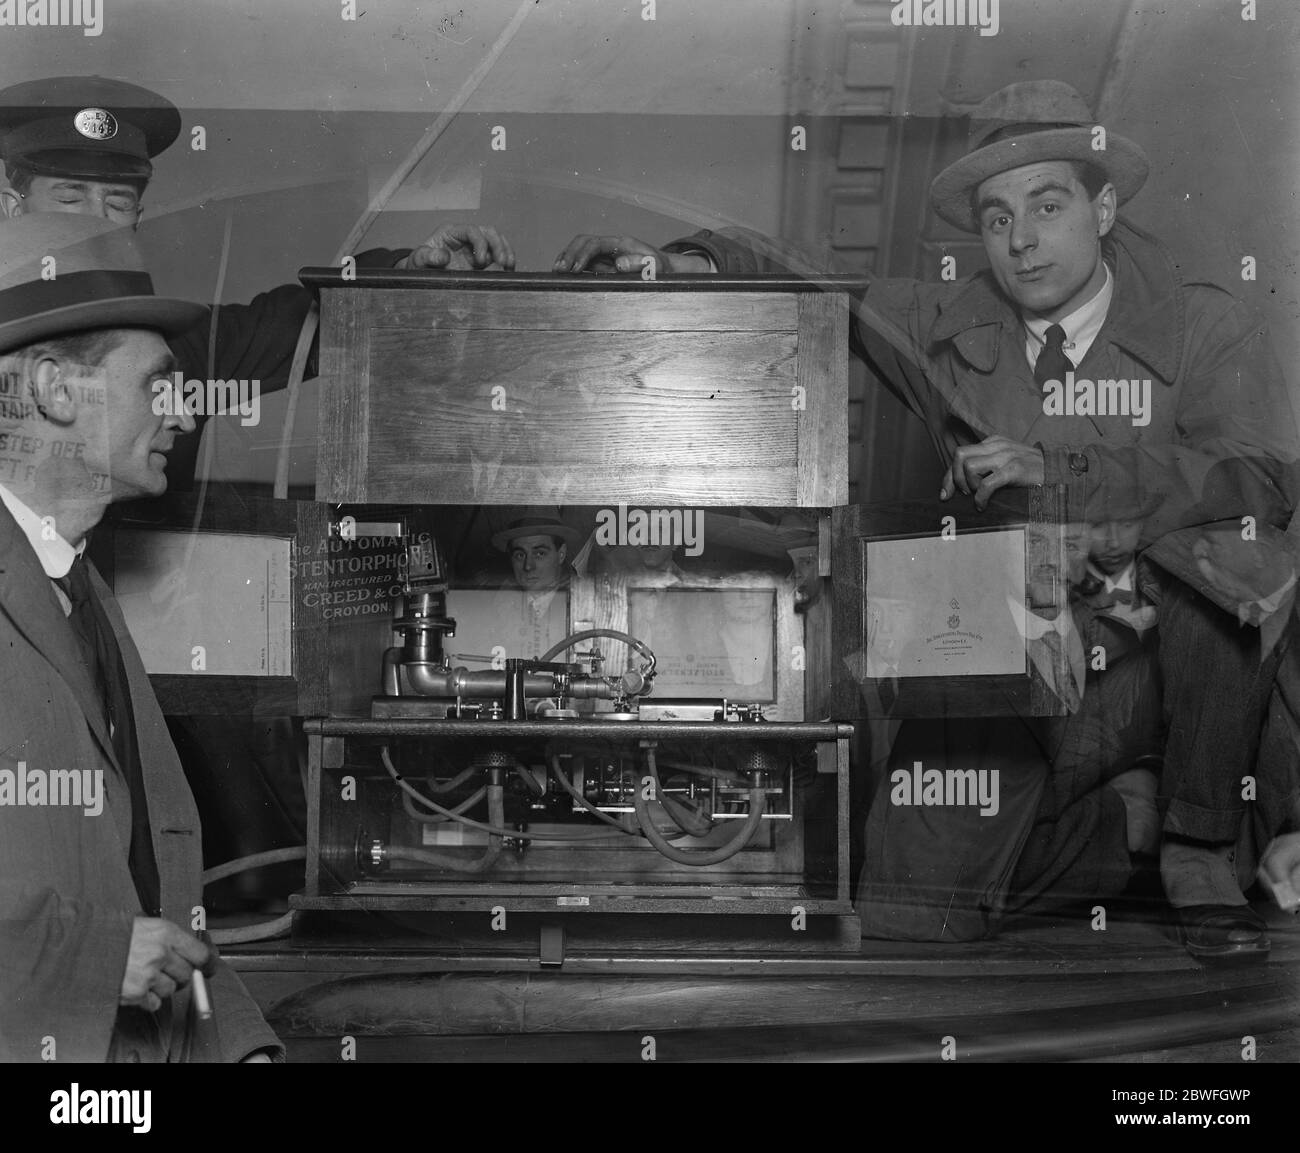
<point x="1215" y="694"/>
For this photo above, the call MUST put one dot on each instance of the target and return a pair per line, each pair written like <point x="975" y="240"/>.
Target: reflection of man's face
<point x="746" y="606"/>
<point x="808" y="584"/>
<point x="128" y="442"/>
<point x="1113" y="543"/>
<point x="1041" y="233"/>
<point x="1244" y="569"/>
<point x="891" y="624"/>
<point x="1049" y="547"/>
<point x="112" y="200"/>
<point x="538" y="562"/>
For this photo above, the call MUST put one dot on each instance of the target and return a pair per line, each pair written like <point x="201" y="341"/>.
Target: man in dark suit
<point x="100" y="868"/>
<point x="86" y="145"/>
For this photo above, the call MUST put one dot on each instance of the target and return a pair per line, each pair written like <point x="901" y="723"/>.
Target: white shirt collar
<point x="1121" y="580"/>
<point x="55" y="554"/>
<point x="1267" y="605"/>
<point x="1081" y="326"/>
<point x="1033" y="627"/>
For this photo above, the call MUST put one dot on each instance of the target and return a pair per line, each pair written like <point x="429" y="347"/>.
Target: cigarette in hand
<point x="202" y="1002"/>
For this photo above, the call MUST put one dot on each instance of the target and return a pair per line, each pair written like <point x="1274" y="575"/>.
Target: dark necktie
<point x="1062" y="680"/>
<point x="1105" y="600"/>
<point x="103" y="658"/>
<point x="1052" y="363"/>
<point x="888" y="687"/>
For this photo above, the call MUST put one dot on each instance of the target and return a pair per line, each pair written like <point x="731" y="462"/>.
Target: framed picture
<point x="222" y="601"/>
<point x="941" y="610"/>
<point x="715" y="637"/>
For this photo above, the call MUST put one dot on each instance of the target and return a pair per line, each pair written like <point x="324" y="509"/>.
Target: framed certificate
<point x="941" y="610"/>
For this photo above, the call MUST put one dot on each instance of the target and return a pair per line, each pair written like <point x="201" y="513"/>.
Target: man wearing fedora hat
<point x="1204" y="432"/>
<point x="100" y="861"/>
<point x="541" y="547"/>
<point x="84" y="144"/>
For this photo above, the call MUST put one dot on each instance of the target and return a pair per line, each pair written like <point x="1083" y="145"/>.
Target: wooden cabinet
<point x="528" y="388"/>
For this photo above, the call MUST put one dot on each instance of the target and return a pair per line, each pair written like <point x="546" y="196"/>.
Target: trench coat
<point x="1218" y="441"/>
<point x="1221" y="440"/>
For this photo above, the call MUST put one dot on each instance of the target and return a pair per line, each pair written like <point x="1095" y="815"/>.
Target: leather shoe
<point x="1223" y="932"/>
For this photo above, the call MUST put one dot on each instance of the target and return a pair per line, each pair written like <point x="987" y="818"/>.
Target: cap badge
<point x="95" y="123"/>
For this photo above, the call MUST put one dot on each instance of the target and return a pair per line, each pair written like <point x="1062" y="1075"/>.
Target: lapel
<point x="995" y="391"/>
<point x="173" y="817"/>
<point x="27" y="599"/>
<point x="983" y="328"/>
<point x="1146" y="313"/>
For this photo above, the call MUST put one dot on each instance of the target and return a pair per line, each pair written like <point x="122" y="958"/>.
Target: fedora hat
<point x="1026" y="123"/>
<point x="535" y="522"/>
<point x="64" y="272"/>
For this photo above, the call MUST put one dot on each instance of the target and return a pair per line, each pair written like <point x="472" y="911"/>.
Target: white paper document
<point x="206" y="603"/>
<point x="936" y="607"/>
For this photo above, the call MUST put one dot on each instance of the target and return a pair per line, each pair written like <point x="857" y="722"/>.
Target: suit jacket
<point x="67" y="900"/>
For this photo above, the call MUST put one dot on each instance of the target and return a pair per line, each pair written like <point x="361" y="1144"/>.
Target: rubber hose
<point x="263" y="931"/>
<point x="253" y="861"/>
<point x="589" y="634"/>
<point x="534" y="787"/>
<point x="447" y="786"/>
<point x="569" y="788"/>
<point x="433" y="818"/>
<point x="497" y="815"/>
<point x="691" y="822"/>
<point x="470" y="823"/>
<point x="695" y="856"/>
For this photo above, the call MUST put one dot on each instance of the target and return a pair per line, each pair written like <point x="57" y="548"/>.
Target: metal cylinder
<point x="435" y="681"/>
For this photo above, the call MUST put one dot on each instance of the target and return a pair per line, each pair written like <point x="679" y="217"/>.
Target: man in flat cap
<point x="1188" y="417"/>
<point x="99" y="839"/>
<point x="84" y="144"/>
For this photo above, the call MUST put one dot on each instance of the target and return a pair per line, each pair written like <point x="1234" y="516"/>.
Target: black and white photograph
<point x="589" y="532"/>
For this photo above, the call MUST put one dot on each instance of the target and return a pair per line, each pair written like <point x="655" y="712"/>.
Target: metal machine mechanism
<point x="565" y="783"/>
<point x="634" y="739"/>
<point x="524" y="688"/>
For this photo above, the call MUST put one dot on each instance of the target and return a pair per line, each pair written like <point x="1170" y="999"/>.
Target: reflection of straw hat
<point x="1027" y="123"/>
<point x="540" y="521"/>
